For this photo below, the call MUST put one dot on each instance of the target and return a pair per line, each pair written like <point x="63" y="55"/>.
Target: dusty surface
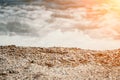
<point x="31" y="63"/>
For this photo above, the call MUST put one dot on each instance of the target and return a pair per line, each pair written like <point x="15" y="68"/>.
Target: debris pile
<point x="58" y="63"/>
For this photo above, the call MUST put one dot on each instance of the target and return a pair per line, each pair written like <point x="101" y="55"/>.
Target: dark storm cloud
<point x="16" y="28"/>
<point x="14" y="2"/>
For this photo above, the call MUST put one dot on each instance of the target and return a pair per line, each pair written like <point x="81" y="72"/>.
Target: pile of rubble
<point x="58" y="63"/>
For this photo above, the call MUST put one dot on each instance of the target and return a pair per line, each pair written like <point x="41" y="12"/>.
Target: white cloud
<point x="95" y="28"/>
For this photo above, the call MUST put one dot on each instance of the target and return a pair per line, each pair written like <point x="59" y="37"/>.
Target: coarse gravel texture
<point x="58" y="63"/>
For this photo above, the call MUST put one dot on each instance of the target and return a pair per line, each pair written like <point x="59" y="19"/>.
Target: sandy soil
<point x="57" y="63"/>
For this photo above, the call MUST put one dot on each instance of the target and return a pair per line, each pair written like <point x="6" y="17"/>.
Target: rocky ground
<point x="57" y="63"/>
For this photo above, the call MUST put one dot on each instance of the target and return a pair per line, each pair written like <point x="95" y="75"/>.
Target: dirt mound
<point x="58" y="63"/>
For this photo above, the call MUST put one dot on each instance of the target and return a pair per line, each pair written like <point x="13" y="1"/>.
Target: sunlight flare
<point x="115" y="3"/>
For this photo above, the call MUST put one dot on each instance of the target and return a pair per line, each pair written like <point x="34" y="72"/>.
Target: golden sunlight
<point x="115" y="3"/>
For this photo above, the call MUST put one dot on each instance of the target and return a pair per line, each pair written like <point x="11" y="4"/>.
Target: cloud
<point x="96" y="22"/>
<point x="16" y="28"/>
<point x="58" y="23"/>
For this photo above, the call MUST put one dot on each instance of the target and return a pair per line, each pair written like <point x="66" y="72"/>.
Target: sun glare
<point x="114" y="6"/>
<point x="115" y="3"/>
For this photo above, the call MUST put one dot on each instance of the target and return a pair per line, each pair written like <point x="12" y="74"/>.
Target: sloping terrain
<point x="57" y="63"/>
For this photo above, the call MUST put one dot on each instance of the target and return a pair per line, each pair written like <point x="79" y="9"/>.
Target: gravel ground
<point x="57" y="63"/>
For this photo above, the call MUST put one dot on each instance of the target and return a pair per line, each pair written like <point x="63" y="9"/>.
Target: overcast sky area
<point x="90" y="24"/>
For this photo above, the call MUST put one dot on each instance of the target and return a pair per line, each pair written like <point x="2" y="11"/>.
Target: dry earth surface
<point x="57" y="63"/>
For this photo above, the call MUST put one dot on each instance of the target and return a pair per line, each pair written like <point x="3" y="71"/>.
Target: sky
<point x="89" y="24"/>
